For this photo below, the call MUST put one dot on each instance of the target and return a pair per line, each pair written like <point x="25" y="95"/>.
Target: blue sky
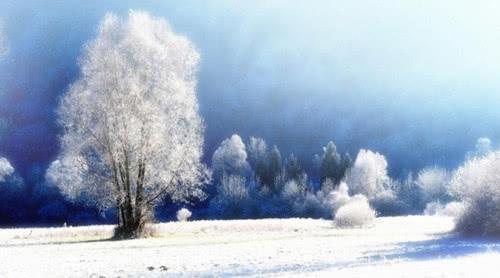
<point x="415" y="80"/>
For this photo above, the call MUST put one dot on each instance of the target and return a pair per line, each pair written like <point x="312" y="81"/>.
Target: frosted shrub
<point x="183" y="215"/>
<point x="433" y="183"/>
<point x="477" y="184"/>
<point x="452" y="209"/>
<point x="356" y="213"/>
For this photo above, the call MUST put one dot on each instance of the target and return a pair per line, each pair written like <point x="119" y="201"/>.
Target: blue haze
<point x="416" y="81"/>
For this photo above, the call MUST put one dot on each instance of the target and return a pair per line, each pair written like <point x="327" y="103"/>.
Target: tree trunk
<point x="134" y="225"/>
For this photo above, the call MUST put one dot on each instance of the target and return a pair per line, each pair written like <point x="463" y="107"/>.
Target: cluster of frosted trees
<point x="253" y="180"/>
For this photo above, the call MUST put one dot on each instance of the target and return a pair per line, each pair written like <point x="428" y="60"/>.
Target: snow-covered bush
<point x="355" y="213"/>
<point x="477" y="184"/>
<point x="6" y="169"/>
<point x="350" y="211"/>
<point x="452" y="209"/>
<point x="183" y="215"/>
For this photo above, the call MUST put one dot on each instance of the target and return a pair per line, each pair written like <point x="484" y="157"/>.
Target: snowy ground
<point x="414" y="246"/>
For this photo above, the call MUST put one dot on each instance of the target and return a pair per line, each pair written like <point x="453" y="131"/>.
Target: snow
<point x="412" y="246"/>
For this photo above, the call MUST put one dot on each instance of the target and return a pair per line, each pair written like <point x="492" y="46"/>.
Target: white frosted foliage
<point x="132" y="131"/>
<point x="434" y="183"/>
<point x="230" y="157"/>
<point x="355" y="213"/>
<point x="477" y="184"/>
<point x="368" y="176"/>
<point x="183" y="215"/>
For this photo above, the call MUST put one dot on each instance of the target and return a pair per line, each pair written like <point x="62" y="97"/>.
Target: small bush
<point x="356" y="213"/>
<point x="183" y="215"/>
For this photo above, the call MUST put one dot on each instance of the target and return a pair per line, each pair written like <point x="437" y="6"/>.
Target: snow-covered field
<point x="413" y="246"/>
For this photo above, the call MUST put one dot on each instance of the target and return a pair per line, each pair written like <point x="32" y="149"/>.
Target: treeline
<point x="252" y="180"/>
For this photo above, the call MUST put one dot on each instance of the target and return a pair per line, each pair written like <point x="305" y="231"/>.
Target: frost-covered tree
<point x="293" y="189"/>
<point x="257" y="154"/>
<point x="6" y="169"/>
<point x="331" y="164"/>
<point x="293" y="169"/>
<point x="132" y="131"/>
<point x="232" y="197"/>
<point x="267" y="166"/>
<point x="230" y="158"/>
<point x="275" y="169"/>
<point x="409" y="199"/>
<point x="434" y="183"/>
<point x="368" y="176"/>
<point x="259" y="159"/>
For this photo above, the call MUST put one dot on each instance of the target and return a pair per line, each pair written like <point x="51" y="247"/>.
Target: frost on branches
<point x="230" y="158"/>
<point x="368" y="176"/>
<point x="476" y="184"/>
<point x="132" y="131"/>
